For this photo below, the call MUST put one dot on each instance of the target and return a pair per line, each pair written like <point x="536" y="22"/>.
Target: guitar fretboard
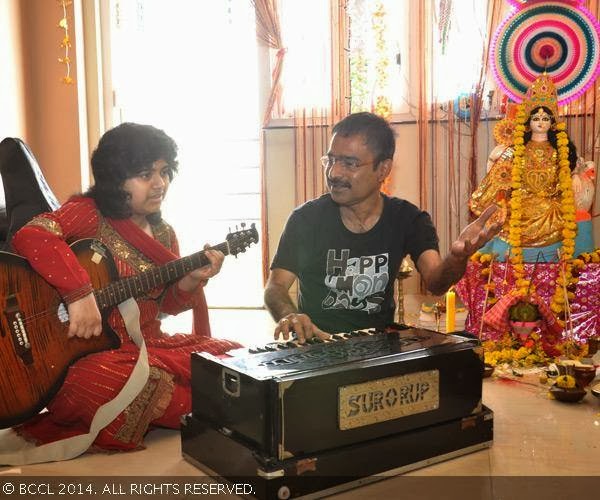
<point x="137" y="285"/>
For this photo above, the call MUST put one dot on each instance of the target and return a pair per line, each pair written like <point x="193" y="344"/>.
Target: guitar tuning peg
<point x="243" y="225"/>
<point x="236" y="227"/>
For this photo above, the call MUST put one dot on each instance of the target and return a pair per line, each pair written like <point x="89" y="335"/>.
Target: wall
<point x="34" y="103"/>
<point x="12" y="98"/>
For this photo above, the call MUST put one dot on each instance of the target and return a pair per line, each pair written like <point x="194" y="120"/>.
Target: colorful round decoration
<point x="504" y="131"/>
<point x="556" y="36"/>
<point x="520" y="3"/>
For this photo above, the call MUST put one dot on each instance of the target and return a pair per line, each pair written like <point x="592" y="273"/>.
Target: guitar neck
<point x="135" y="286"/>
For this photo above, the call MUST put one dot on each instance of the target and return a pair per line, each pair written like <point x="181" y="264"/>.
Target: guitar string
<point x="113" y="289"/>
<point x="224" y="247"/>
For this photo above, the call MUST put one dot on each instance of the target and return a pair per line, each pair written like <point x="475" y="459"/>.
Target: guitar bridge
<point x="18" y="332"/>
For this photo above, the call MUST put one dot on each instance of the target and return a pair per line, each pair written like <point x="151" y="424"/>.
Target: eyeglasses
<point x="349" y="164"/>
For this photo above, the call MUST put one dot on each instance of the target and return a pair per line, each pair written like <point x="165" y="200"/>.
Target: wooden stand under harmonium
<point x="314" y="419"/>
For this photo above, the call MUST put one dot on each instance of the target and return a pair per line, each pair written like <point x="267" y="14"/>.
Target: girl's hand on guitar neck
<point x="84" y="318"/>
<point x="200" y="276"/>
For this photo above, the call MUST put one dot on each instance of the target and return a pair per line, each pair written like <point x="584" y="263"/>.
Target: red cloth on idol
<point x="97" y="378"/>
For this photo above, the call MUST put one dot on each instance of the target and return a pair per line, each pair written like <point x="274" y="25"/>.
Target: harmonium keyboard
<point x="325" y="414"/>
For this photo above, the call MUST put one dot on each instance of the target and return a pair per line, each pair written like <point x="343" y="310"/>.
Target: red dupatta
<point x="160" y="255"/>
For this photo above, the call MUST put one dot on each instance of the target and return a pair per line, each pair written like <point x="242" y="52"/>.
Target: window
<point x="458" y="62"/>
<point x="381" y="46"/>
<point x="306" y="35"/>
<point x="190" y="68"/>
<point x="378" y="53"/>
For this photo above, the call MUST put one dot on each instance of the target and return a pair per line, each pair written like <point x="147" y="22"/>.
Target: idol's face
<point x="540" y="122"/>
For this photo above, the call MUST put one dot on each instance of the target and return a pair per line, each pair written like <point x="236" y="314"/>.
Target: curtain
<point x="312" y="127"/>
<point x="268" y="31"/>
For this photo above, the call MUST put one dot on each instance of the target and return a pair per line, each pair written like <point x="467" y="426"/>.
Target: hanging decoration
<point x="66" y="42"/>
<point x="444" y="22"/>
<point x="383" y="106"/>
<point x="559" y="37"/>
<point x="359" y="79"/>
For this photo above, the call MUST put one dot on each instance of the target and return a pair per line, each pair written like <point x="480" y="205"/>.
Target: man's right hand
<point x="84" y="318"/>
<point x="301" y="324"/>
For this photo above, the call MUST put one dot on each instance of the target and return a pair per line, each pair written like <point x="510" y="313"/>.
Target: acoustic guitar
<point x="35" y="351"/>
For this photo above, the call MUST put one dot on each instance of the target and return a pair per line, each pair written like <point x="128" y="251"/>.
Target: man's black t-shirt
<point x="346" y="279"/>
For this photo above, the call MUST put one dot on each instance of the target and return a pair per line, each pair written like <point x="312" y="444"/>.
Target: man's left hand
<point x="476" y="234"/>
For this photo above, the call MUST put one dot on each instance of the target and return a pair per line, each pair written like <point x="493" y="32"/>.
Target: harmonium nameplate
<point x="389" y="398"/>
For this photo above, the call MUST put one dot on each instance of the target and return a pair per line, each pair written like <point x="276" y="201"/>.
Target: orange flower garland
<point x="66" y="42"/>
<point x="569" y="231"/>
<point x="383" y="106"/>
<point x="516" y="214"/>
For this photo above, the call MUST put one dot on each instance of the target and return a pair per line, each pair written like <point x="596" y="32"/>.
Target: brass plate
<point x="388" y="398"/>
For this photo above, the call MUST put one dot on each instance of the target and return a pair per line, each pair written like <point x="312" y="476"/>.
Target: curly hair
<point x="377" y="132"/>
<point x="552" y="136"/>
<point x="124" y="152"/>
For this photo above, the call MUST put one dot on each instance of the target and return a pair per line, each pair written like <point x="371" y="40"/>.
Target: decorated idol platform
<point x="533" y="292"/>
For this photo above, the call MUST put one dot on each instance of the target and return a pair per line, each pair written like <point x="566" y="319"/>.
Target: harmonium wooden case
<point x="282" y="406"/>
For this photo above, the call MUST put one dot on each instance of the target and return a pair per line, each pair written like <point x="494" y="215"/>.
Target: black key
<point x="256" y="350"/>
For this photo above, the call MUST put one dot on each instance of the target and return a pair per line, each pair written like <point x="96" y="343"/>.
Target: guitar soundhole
<point x="62" y="313"/>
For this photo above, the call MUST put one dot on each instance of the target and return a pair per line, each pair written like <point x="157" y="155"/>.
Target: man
<point x="345" y="247"/>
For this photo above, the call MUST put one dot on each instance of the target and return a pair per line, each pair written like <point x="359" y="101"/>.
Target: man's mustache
<point x="338" y="183"/>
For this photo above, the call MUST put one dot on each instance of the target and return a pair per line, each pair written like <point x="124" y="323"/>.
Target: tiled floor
<point x="533" y="435"/>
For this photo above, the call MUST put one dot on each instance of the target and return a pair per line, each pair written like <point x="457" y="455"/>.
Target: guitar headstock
<point x="238" y="241"/>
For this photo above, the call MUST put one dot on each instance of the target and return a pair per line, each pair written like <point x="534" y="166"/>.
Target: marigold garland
<point x="514" y="352"/>
<point x="66" y="42"/>
<point x="516" y="214"/>
<point x="532" y="351"/>
<point x="569" y="231"/>
<point x="383" y="106"/>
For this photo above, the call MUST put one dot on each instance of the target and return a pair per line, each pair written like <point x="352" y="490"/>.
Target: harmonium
<point x="312" y="419"/>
